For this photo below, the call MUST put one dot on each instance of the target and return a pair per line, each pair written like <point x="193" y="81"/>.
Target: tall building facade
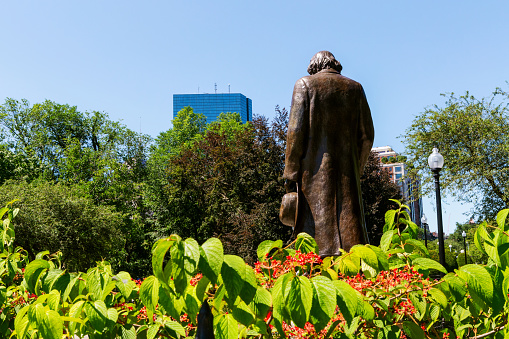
<point x="410" y="188"/>
<point x="211" y="105"/>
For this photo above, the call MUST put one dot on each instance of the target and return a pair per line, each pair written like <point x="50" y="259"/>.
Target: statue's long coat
<point x="330" y="134"/>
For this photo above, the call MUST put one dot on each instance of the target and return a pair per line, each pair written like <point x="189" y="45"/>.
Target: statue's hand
<point x="290" y="186"/>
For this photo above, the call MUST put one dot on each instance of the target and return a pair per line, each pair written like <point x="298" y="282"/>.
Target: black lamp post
<point x="436" y="162"/>
<point x="464" y="235"/>
<point x="424" y="224"/>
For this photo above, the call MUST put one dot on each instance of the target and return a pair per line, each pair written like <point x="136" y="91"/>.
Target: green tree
<point x="103" y="158"/>
<point x="188" y="127"/>
<point x="377" y="189"/>
<point x="472" y="136"/>
<point x="227" y="183"/>
<point x="18" y="166"/>
<point x="57" y="217"/>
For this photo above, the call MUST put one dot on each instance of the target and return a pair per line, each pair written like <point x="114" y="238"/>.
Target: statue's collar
<point x="329" y="70"/>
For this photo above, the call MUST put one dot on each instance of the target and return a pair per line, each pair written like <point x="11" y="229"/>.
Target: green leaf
<point x="505" y="286"/>
<point x="438" y="296"/>
<point x="226" y="327"/>
<point x="33" y="271"/>
<point x="75" y="312"/>
<point x="248" y="290"/>
<point x="428" y="264"/>
<point x="278" y="300"/>
<point x="97" y="313"/>
<point x="266" y="246"/>
<point x="364" y="309"/>
<point x="479" y="280"/>
<point x="389" y="220"/>
<point x="153" y="330"/>
<point x="175" y="329"/>
<point x="124" y="283"/>
<point x="418" y="245"/>
<point x="456" y="286"/>
<point x="180" y="278"/>
<point x="158" y="253"/>
<point x="501" y="217"/>
<point x="211" y="258"/>
<point x="171" y="304"/>
<point x="234" y="274"/>
<point x="70" y="286"/>
<point x="53" y="326"/>
<point x="53" y="300"/>
<point x="413" y="330"/>
<point x="419" y="303"/>
<point x="386" y="241"/>
<point x="347" y="266"/>
<point x="149" y="294"/>
<point x="324" y="301"/>
<point x="192" y="304"/>
<point x="128" y="333"/>
<point x="201" y="288"/>
<point x="491" y="246"/>
<point x="367" y="270"/>
<point x="191" y="255"/>
<point x="243" y="314"/>
<point x="434" y="312"/>
<point x="21" y="322"/>
<point x="261" y="302"/>
<point x="346" y="299"/>
<point x="306" y="243"/>
<point x="383" y="263"/>
<point x="366" y="254"/>
<point x="61" y="282"/>
<point x="112" y="316"/>
<point x="299" y="300"/>
<point x="480" y="233"/>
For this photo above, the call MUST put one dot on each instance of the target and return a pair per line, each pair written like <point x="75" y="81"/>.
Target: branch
<point x="488" y="333"/>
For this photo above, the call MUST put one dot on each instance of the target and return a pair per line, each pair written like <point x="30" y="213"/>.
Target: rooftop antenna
<point x="215" y="88"/>
<point x="228" y="88"/>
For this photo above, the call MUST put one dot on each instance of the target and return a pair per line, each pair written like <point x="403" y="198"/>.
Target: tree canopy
<point x="472" y="136"/>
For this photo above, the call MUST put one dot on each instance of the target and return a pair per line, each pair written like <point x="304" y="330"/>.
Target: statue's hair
<point x="323" y="60"/>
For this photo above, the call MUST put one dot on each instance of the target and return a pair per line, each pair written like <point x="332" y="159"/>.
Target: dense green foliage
<point x="369" y="292"/>
<point x="377" y="190"/>
<point x="472" y="136"/>
<point x="228" y="184"/>
<point x="222" y="179"/>
<point x="56" y="217"/>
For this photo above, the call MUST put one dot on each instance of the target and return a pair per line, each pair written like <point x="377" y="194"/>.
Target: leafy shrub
<point x="56" y="217"/>
<point x="369" y="292"/>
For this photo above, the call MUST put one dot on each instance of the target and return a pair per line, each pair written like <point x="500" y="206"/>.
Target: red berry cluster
<point x="269" y="269"/>
<point x="123" y="306"/>
<point x="195" y="279"/>
<point x="143" y="316"/>
<point x="138" y="282"/>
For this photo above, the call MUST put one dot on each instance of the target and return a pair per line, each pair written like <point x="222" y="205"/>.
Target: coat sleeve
<point x="366" y="130"/>
<point x="298" y="130"/>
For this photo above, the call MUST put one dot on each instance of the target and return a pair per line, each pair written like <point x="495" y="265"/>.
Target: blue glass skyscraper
<point x="211" y="105"/>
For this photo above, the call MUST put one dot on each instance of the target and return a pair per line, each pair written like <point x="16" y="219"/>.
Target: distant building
<point x="211" y="105"/>
<point x="395" y="166"/>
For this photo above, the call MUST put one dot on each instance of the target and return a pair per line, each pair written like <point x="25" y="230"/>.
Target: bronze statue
<point x="330" y="134"/>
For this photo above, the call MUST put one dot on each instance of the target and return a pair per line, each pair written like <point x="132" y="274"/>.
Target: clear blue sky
<point x="128" y="58"/>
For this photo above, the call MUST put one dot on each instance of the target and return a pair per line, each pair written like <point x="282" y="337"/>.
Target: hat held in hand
<point x="288" y="210"/>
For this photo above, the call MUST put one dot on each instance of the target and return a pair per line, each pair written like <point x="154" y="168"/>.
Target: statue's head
<point x="323" y="60"/>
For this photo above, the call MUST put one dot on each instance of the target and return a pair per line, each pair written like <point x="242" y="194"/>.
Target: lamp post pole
<point x="436" y="162"/>
<point x="464" y="235"/>
<point x="441" y="247"/>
